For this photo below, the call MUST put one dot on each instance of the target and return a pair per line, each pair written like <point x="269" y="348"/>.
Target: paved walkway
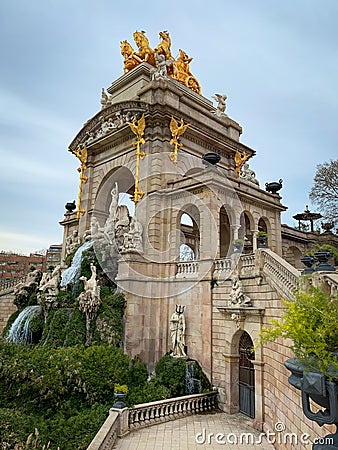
<point x="196" y="432"/>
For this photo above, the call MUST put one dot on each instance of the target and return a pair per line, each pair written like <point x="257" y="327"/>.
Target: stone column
<point x="231" y="404"/>
<point x="259" y="395"/>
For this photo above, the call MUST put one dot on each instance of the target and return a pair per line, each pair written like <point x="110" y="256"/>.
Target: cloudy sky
<point x="276" y="61"/>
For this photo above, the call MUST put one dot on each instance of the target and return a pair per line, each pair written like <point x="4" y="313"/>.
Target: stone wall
<point x="276" y="401"/>
<point x="7" y="307"/>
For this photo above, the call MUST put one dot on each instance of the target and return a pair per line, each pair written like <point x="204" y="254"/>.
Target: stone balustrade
<point x="122" y="421"/>
<point x="222" y="265"/>
<point x="11" y="283"/>
<point x="248" y="265"/>
<point x="187" y="269"/>
<point x="161" y="411"/>
<point x="282" y="275"/>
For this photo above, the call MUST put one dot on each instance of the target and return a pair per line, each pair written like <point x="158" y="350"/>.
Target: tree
<point x="324" y="192"/>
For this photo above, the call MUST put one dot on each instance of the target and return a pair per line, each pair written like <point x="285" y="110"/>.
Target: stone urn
<point x="70" y="206"/>
<point x="323" y="391"/>
<point x="274" y="186"/>
<point x="262" y="240"/>
<point x="308" y="262"/>
<point x="211" y="158"/>
<point x="119" y="400"/>
<point x="323" y="257"/>
<point x="238" y="246"/>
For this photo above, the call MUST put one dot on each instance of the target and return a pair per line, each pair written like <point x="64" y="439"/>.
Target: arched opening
<point x="190" y="236"/>
<point x="262" y="225"/>
<point x="293" y="256"/>
<point x="224" y="232"/>
<point x="246" y="375"/>
<point x="245" y="232"/>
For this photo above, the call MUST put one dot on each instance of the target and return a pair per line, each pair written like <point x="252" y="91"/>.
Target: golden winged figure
<point x="81" y="154"/>
<point x="176" y="129"/>
<point x="240" y="159"/>
<point x="137" y="127"/>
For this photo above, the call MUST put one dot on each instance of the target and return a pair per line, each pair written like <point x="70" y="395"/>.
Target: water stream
<point x="19" y="331"/>
<point x="71" y="275"/>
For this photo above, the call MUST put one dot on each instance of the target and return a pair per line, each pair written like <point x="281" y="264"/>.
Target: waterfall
<point x="192" y="385"/>
<point x="19" y="331"/>
<point x="72" y="274"/>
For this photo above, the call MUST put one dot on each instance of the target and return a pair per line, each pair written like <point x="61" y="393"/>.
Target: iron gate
<point x="246" y="376"/>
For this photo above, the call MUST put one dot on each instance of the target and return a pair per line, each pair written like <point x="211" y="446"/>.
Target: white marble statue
<point x="160" y="72"/>
<point x="106" y="100"/>
<point x="177" y="331"/>
<point x="248" y="174"/>
<point x="237" y="296"/>
<point x="89" y="300"/>
<point x="221" y="105"/>
<point x="133" y="239"/>
<point x="72" y="242"/>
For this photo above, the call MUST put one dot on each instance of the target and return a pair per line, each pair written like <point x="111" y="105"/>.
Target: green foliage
<point x="311" y="321"/>
<point x="10" y="322"/>
<point x="65" y="298"/>
<point x="170" y="372"/>
<point x="150" y="392"/>
<point x="121" y="388"/>
<point x="64" y="327"/>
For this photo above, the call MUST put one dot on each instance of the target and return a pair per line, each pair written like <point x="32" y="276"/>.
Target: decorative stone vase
<point x="262" y="241"/>
<point x="211" y="158"/>
<point x="70" y="206"/>
<point x="316" y="386"/>
<point x="238" y="247"/>
<point x="323" y="256"/>
<point x="308" y="261"/>
<point x="119" y="403"/>
<point x="274" y="186"/>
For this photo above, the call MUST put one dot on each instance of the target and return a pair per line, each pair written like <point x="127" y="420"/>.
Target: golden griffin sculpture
<point x="176" y="131"/>
<point x="81" y="154"/>
<point x="240" y="159"/>
<point x="178" y="69"/>
<point x="137" y="127"/>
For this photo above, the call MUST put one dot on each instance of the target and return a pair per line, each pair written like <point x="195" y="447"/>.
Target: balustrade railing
<point x="222" y="265"/>
<point x="161" y="411"/>
<point x="248" y="265"/>
<point x="11" y="283"/>
<point x="282" y="275"/>
<point x="187" y="268"/>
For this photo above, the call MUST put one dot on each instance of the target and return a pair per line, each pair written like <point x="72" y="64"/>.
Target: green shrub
<point x="170" y="372"/>
<point x="311" y="322"/>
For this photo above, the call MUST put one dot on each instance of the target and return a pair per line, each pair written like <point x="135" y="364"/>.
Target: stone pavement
<point x="196" y="432"/>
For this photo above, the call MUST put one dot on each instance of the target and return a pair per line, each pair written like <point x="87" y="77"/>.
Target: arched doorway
<point x="246" y="376"/>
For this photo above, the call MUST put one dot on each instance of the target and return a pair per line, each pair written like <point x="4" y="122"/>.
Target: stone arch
<point x="264" y="224"/>
<point x="293" y="256"/>
<point x="189" y="230"/>
<point x="226" y="222"/>
<point x="125" y="179"/>
<point x="246" y="230"/>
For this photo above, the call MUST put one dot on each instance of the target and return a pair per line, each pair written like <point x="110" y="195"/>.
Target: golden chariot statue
<point x="178" y="69"/>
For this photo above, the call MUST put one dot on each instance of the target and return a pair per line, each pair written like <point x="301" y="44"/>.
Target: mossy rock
<point x="64" y="327"/>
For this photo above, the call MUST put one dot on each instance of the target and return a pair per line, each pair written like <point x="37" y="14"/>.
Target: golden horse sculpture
<point x="144" y="51"/>
<point x="182" y="72"/>
<point x="179" y="69"/>
<point x="131" y="60"/>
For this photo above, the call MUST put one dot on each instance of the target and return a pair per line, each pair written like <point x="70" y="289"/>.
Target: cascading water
<point x="192" y="385"/>
<point x="71" y="275"/>
<point x="19" y="331"/>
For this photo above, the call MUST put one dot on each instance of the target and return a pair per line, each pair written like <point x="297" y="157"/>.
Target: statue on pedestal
<point x="133" y="239"/>
<point x="177" y="331"/>
<point x="89" y="300"/>
<point x="237" y="296"/>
